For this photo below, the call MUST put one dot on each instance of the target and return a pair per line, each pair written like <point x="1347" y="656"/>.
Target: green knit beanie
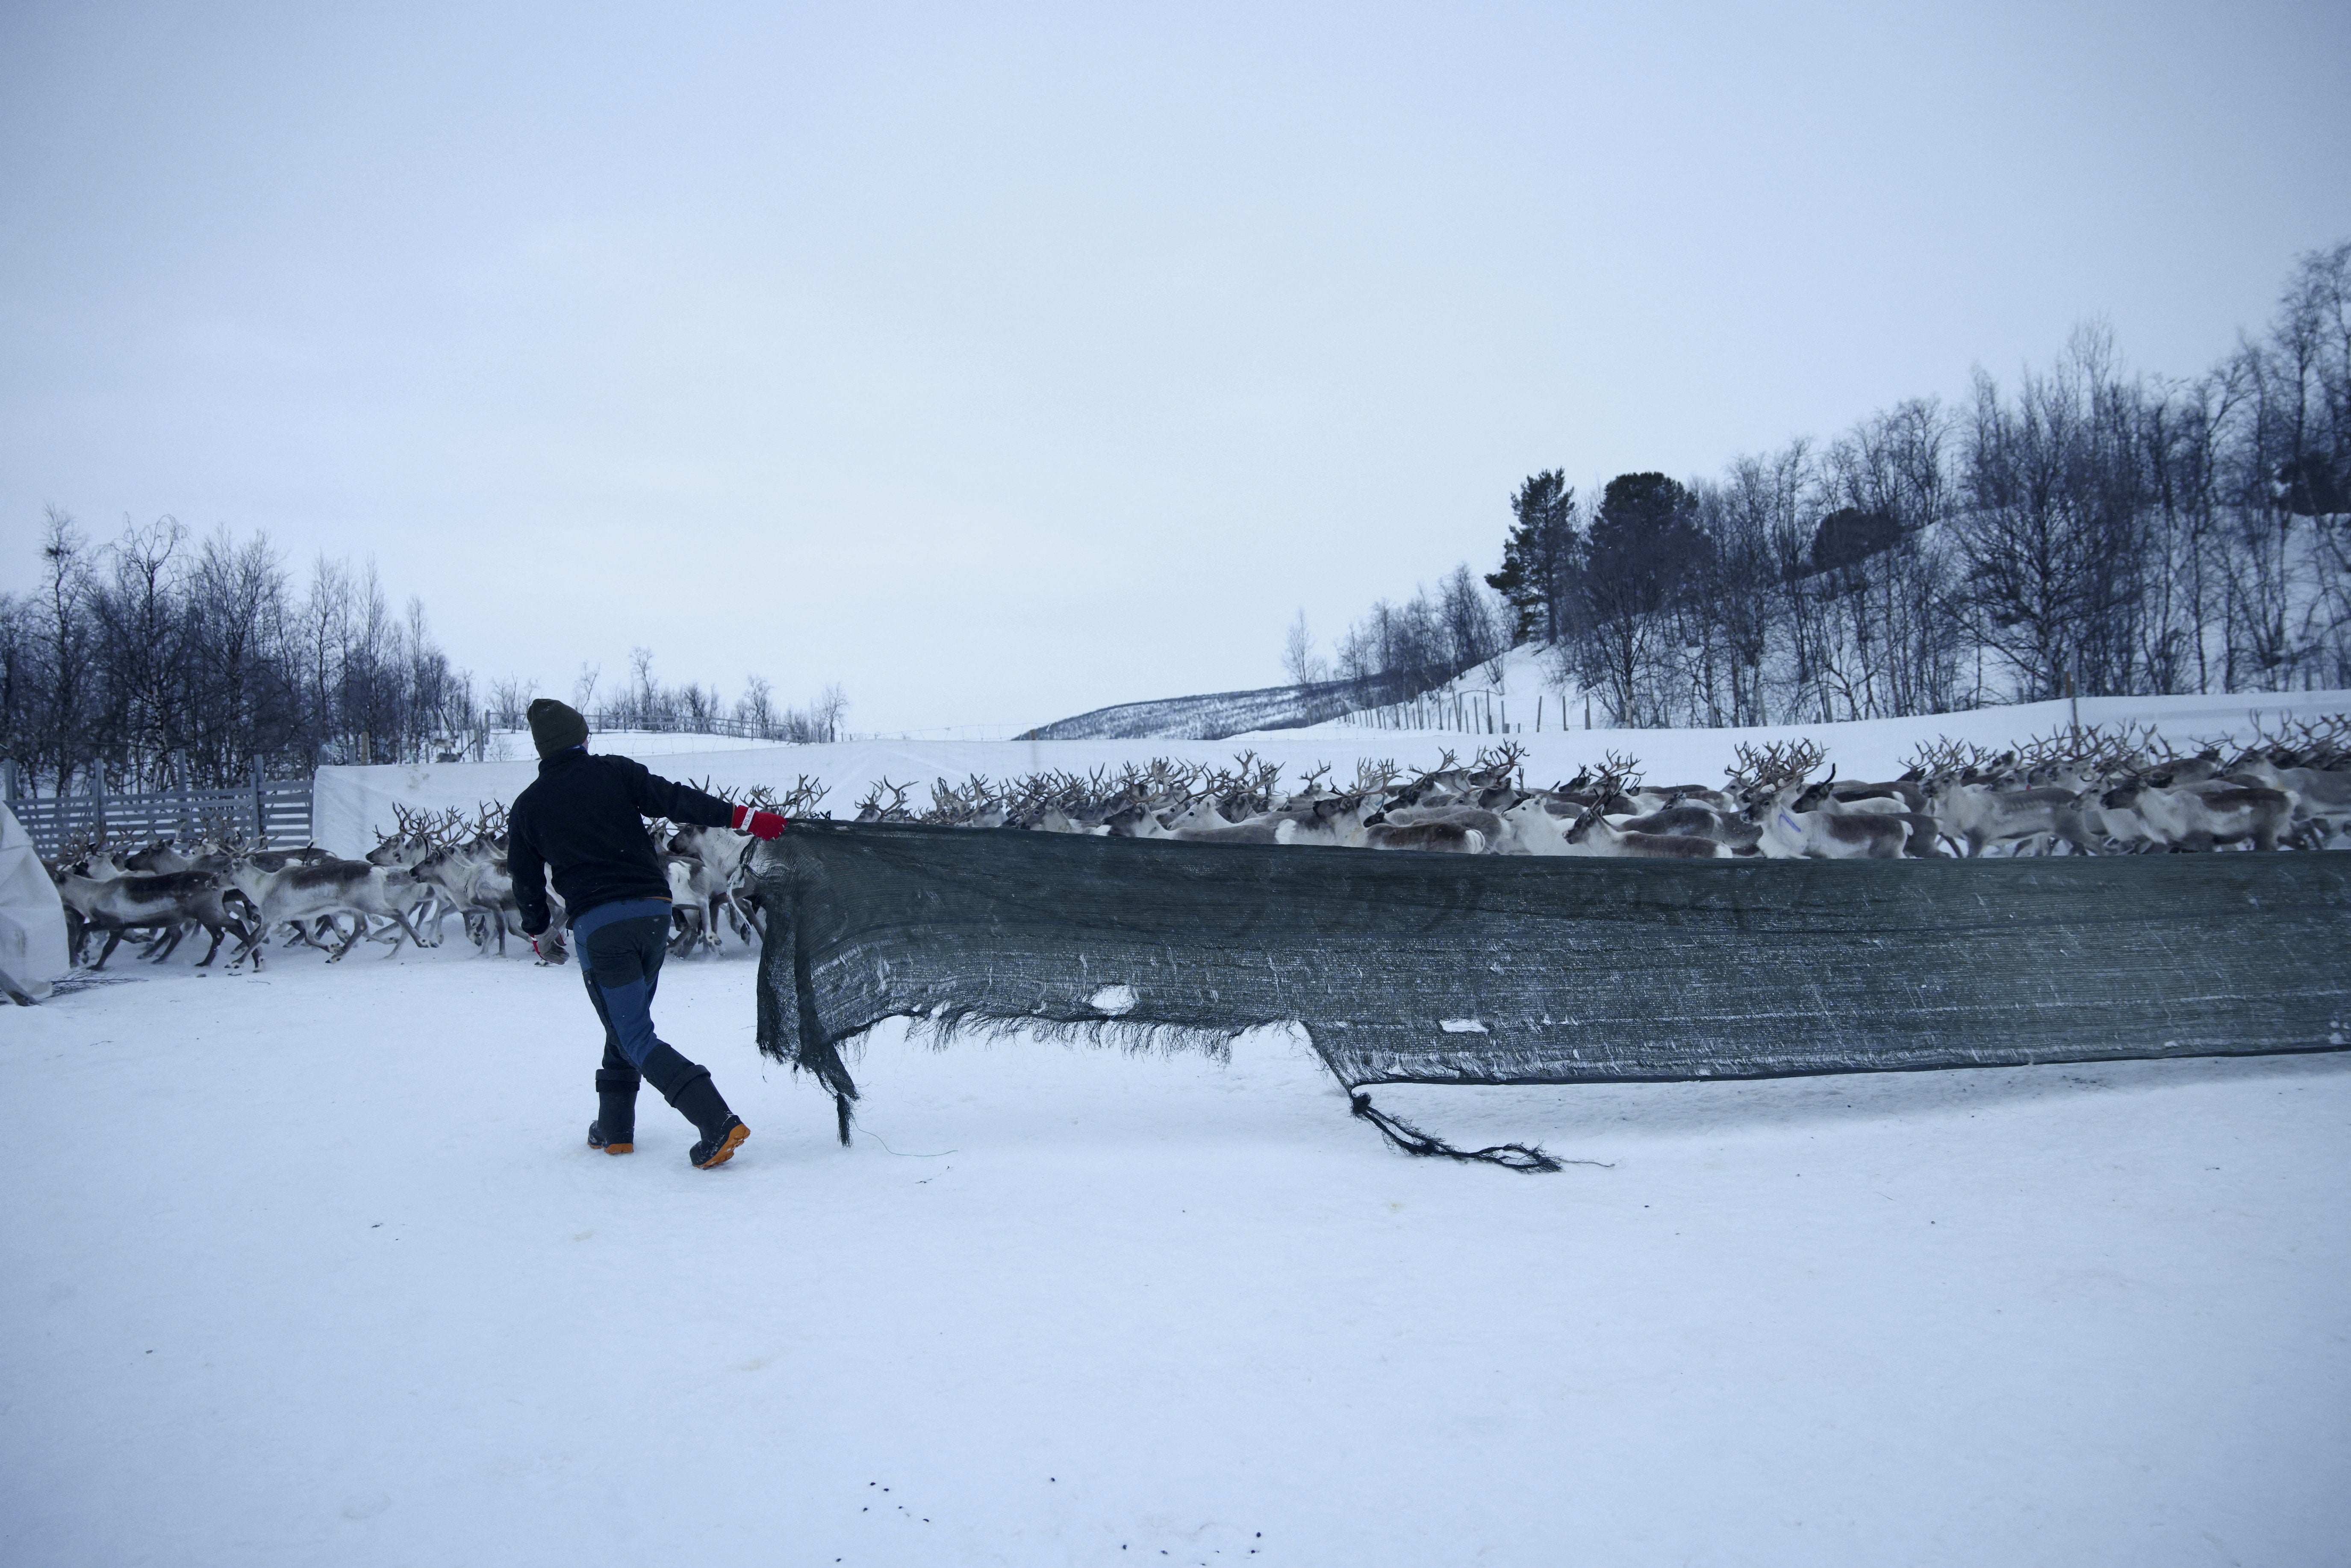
<point x="555" y="726"/>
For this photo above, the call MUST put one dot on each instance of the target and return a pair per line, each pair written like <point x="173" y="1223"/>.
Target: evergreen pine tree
<point x="1539" y="558"/>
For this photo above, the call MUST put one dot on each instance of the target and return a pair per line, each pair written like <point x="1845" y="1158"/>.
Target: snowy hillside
<point x="1216" y="714"/>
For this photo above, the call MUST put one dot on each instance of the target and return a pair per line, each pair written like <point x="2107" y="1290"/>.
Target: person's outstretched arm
<point x="655" y="796"/>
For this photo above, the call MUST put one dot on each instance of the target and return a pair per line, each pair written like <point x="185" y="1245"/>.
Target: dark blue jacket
<point x="583" y="821"/>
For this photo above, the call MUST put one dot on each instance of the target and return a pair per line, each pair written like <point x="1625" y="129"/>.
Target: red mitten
<point x="759" y="824"/>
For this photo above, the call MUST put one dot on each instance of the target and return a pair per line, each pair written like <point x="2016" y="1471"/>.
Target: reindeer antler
<point x="1501" y="764"/>
<point x="1777" y="762"/>
<point x="803" y="798"/>
<point x="871" y="809"/>
<point x="1625" y="771"/>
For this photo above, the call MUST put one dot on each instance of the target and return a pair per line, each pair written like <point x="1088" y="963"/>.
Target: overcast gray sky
<point x="1001" y="363"/>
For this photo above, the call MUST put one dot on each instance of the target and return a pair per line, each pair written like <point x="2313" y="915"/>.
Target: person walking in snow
<point x="583" y="821"/>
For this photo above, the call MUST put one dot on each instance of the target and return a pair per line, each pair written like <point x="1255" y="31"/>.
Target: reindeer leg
<point x="358" y="929"/>
<point x="113" y="940"/>
<point x="401" y="921"/>
<point x="169" y="944"/>
<point x="747" y="909"/>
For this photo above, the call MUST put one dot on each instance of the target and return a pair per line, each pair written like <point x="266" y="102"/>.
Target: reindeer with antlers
<point x="1771" y="781"/>
<point x="2305" y="762"/>
<point x="1979" y="800"/>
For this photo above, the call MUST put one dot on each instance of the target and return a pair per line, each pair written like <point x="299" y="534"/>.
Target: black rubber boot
<point x="614" y="1130"/>
<point x="686" y="1086"/>
<point x="716" y="1148"/>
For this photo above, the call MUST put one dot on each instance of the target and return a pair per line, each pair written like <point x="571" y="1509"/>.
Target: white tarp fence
<point x="32" y="918"/>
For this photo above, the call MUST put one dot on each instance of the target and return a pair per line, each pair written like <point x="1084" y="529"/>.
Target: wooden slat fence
<point x="270" y="813"/>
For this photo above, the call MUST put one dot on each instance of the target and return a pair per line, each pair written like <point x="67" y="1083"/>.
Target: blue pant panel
<point x="621" y="962"/>
<point x="629" y="1013"/>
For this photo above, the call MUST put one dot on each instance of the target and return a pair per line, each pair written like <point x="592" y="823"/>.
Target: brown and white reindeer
<point x="1771" y="779"/>
<point x="2193" y="817"/>
<point x="1592" y="834"/>
<point x="300" y="892"/>
<point x="468" y="874"/>
<point x="1979" y="815"/>
<point x="719" y="856"/>
<point x="1873" y="801"/>
<point x="1689" y="818"/>
<point x="1488" y="792"/>
<point x="168" y="905"/>
<point x="414" y="836"/>
<point x="2319" y="798"/>
<point x="1330" y="822"/>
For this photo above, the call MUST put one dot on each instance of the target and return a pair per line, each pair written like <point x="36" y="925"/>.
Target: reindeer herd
<point x="429" y="868"/>
<point x="2090" y="791"/>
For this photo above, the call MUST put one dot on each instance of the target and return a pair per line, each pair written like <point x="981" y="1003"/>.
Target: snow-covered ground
<point x="314" y="1267"/>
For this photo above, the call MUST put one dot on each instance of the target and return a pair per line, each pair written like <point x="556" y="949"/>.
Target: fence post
<point x="260" y="810"/>
<point x="187" y="826"/>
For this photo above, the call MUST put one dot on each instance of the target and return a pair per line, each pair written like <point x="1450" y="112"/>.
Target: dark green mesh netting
<point x="1408" y="967"/>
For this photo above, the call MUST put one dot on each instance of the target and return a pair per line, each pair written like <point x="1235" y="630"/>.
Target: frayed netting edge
<point x="939" y="1028"/>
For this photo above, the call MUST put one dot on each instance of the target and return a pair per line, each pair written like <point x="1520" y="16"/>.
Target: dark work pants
<point x="621" y="950"/>
<point x="621" y="959"/>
